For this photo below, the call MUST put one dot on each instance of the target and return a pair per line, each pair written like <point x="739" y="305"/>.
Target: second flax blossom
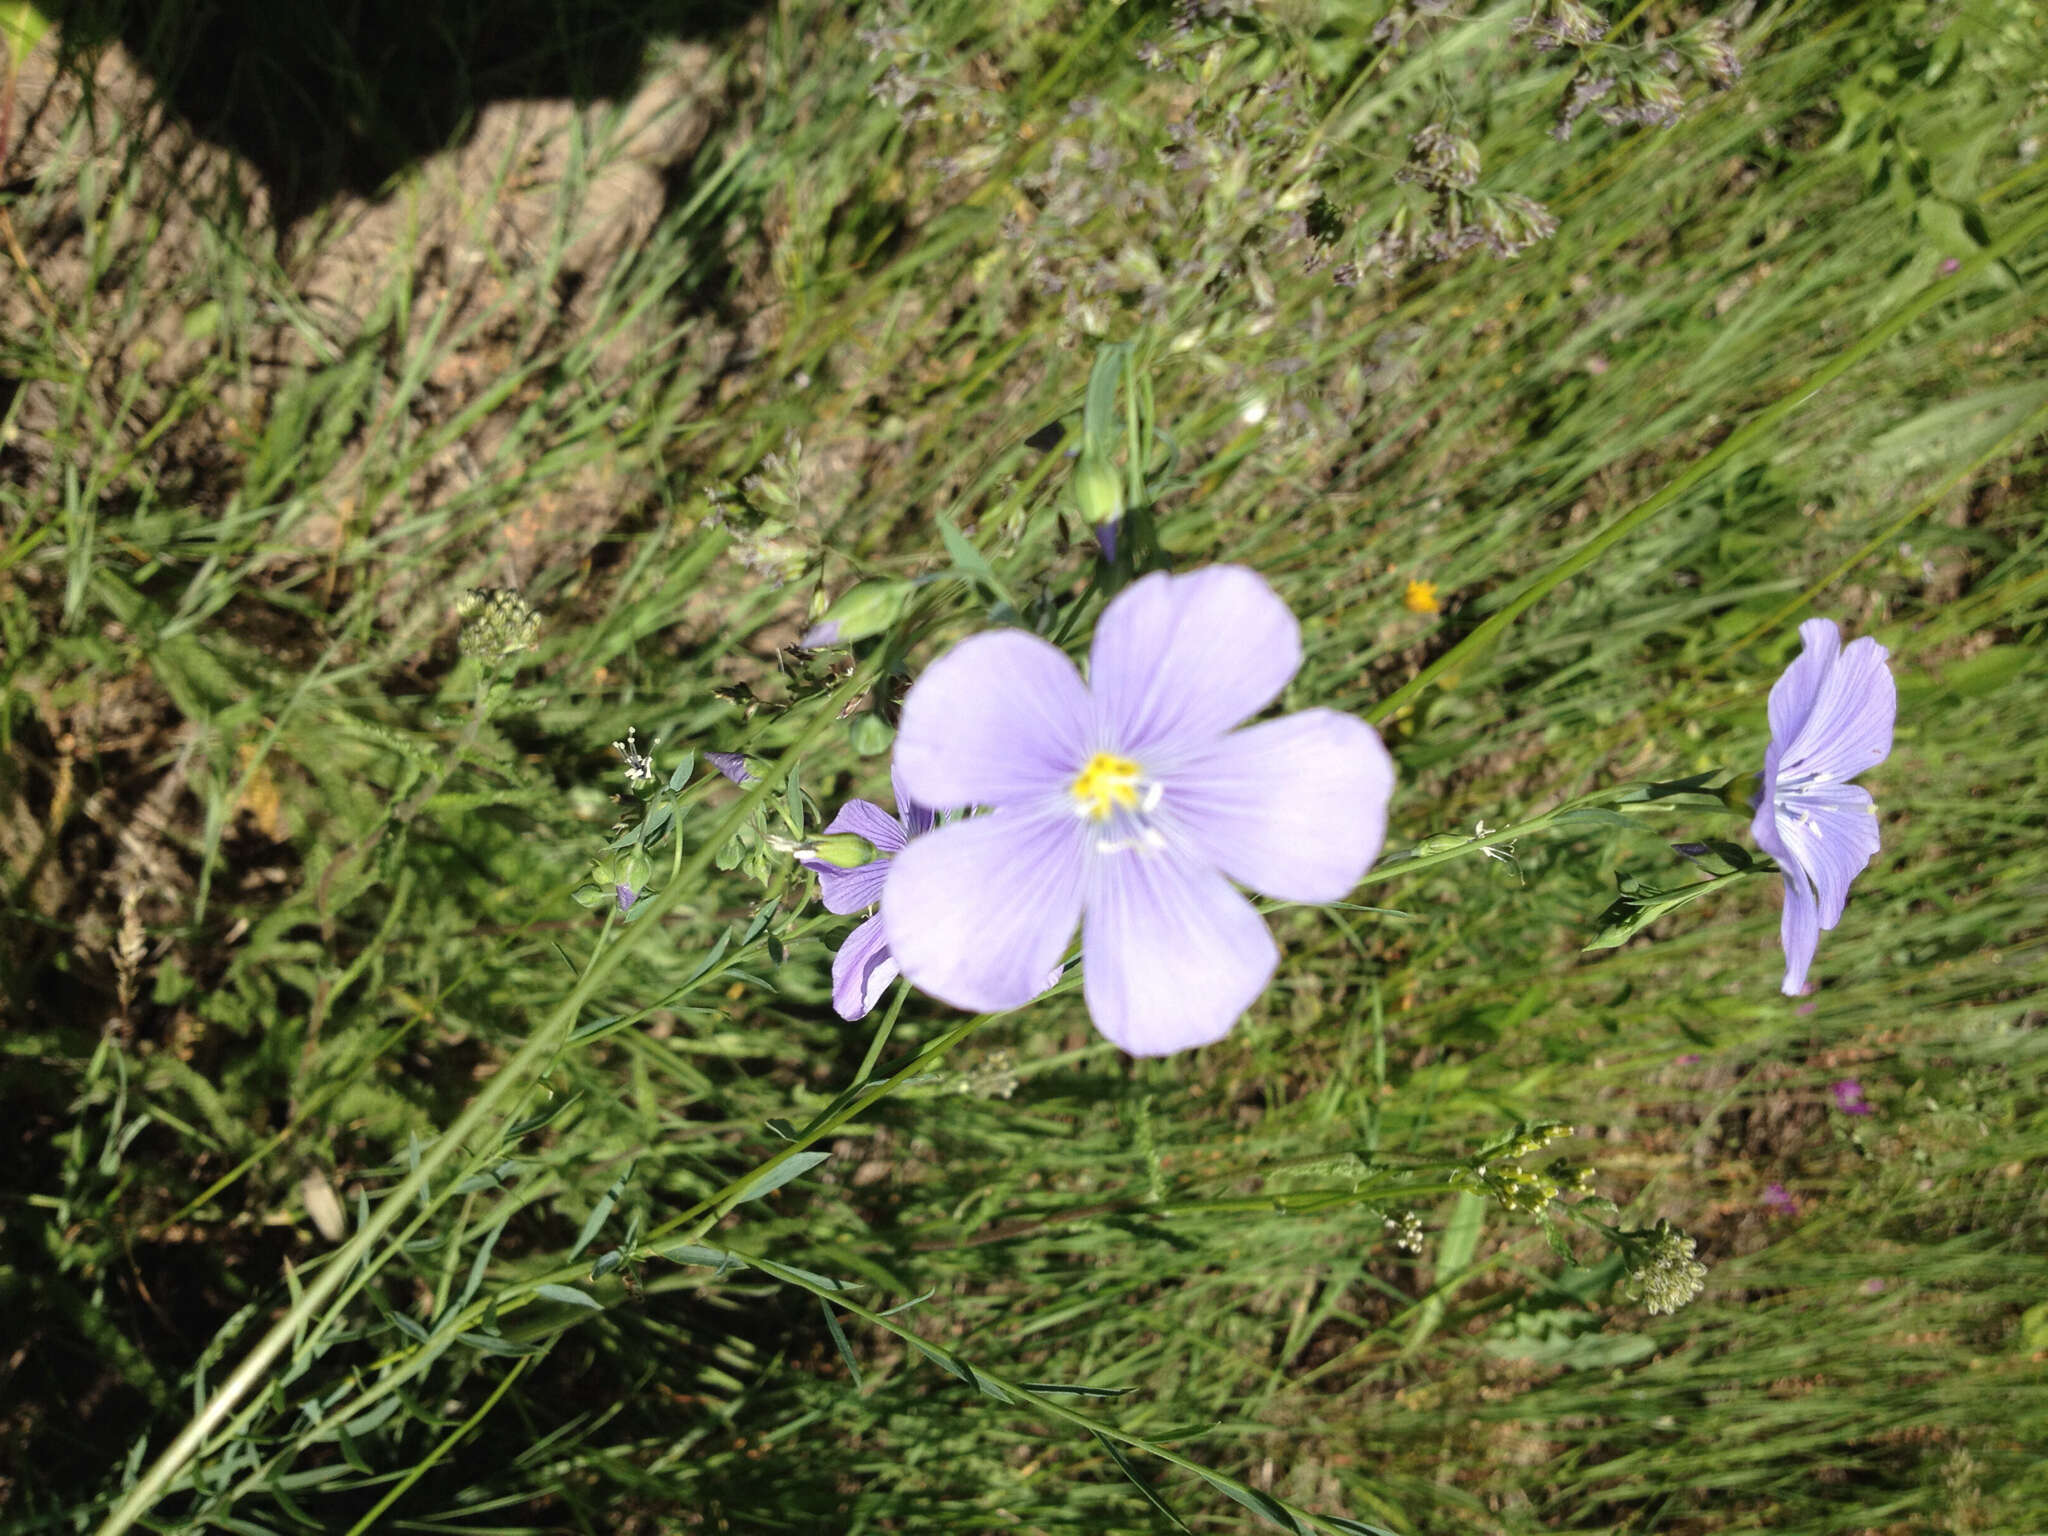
<point x="1831" y="717"/>
<point x="1127" y="804"/>
<point x="863" y="967"/>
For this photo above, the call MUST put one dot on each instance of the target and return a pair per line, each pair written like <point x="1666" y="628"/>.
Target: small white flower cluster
<point x="1406" y="1231"/>
<point x="1662" y="1272"/>
<point x="496" y="622"/>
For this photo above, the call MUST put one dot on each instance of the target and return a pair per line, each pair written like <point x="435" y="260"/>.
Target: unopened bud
<point x="1098" y="489"/>
<point x="736" y="766"/>
<point x="620" y="878"/>
<point x="841" y="850"/>
<point x="862" y="611"/>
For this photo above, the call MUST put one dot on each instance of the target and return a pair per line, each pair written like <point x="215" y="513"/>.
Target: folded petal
<point x="862" y="970"/>
<point x="1829" y="833"/>
<point x="917" y="819"/>
<point x="1172" y="954"/>
<point x="1798" y="932"/>
<point x="980" y="912"/>
<point x="1181" y="659"/>
<point x="1001" y="718"/>
<point x="1294" y="807"/>
<point x="1793" y="694"/>
<point x="1849" y="727"/>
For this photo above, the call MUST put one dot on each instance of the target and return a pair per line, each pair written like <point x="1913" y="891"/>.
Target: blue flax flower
<point x="1831" y="718"/>
<point x="1130" y="805"/>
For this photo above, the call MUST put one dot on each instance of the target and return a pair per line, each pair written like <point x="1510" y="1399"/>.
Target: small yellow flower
<point x="1421" y="598"/>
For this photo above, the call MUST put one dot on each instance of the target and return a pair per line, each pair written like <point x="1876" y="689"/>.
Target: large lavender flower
<point x="1831" y="718"/>
<point x="863" y="968"/>
<point x="1129" y="803"/>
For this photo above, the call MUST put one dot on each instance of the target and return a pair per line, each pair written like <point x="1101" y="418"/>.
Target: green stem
<point x="538" y="1049"/>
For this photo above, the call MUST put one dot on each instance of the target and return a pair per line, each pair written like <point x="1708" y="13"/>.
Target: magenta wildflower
<point x="1831" y="718"/>
<point x="1779" y="1198"/>
<point x="1849" y="1097"/>
<point x="1128" y="804"/>
<point x="863" y="968"/>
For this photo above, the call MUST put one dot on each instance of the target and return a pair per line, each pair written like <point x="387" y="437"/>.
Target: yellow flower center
<point x="1106" y="785"/>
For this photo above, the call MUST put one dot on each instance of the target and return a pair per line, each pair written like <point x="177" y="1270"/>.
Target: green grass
<point x="288" y="881"/>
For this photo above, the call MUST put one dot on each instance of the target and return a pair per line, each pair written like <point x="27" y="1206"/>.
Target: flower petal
<point x="1798" y="932"/>
<point x="1849" y="727"/>
<point x="916" y="819"/>
<point x="1000" y="718"/>
<point x="979" y="912"/>
<point x="1792" y="695"/>
<point x="1172" y="954"/>
<point x="1828" y="833"/>
<point x="1294" y="807"/>
<point x="1179" y="660"/>
<point x="846" y="891"/>
<point x="864" y="818"/>
<point x="862" y="970"/>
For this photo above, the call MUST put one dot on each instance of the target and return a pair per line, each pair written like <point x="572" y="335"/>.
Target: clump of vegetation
<point x="459" y="561"/>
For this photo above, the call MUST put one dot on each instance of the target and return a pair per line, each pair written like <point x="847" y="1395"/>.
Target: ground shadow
<point x="323" y="97"/>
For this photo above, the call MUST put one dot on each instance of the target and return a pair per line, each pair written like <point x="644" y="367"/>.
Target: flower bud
<point x="841" y="850"/>
<point x="1098" y="489"/>
<point x="862" y="611"/>
<point x="739" y="767"/>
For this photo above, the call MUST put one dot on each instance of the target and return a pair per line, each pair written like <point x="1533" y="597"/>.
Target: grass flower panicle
<point x="1831" y="717"/>
<point x="1128" y="804"/>
<point x="863" y="967"/>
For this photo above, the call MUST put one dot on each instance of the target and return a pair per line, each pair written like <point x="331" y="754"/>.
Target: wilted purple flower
<point x="625" y="896"/>
<point x="1128" y="803"/>
<point x="732" y="764"/>
<point x="863" y="968"/>
<point x="1849" y="1097"/>
<point x="1831" y="717"/>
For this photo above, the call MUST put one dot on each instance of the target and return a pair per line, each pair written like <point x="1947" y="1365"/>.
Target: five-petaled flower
<point x="1128" y="804"/>
<point x="1831" y="717"/>
<point x="863" y="968"/>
